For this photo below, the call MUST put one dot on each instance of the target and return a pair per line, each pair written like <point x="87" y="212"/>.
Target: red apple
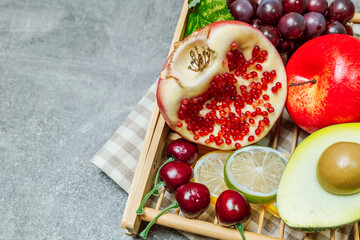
<point x="324" y="82"/>
<point x="224" y="86"/>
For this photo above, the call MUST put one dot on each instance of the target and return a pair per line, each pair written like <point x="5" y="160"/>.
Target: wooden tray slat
<point x="195" y="226"/>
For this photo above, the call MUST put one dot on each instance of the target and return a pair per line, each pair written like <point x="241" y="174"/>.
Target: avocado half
<point x="301" y="201"/>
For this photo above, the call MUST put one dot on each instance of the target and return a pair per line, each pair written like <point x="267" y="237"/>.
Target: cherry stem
<point x="144" y="233"/>
<point x="240" y="227"/>
<point x="141" y="207"/>
<point x="158" y="173"/>
<point x="302" y="83"/>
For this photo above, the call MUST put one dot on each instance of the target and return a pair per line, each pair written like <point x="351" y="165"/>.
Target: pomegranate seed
<point x="185" y="101"/>
<point x="261" y="59"/>
<point x="196" y="137"/>
<point x="257" y="132"/>
<point x="264" y="53"/>
<point x="250" y="101"/>
<point x="258" y="111"/>
<point x="258" y="67"/>
<point x="266" y="121"/>
<point x="254" y="114"/>
<point x="228" y="141"/>
<point x="179" y="124"/>
<point x="261" y="128"/>
<point x="230" y="56"/>
<point x="260" y="102"/>
<point x="254" y="105"/>
<point x="274" y="89"/>
<point x="219" y="142"/>
<point x="237" y="145"/>
<point x="267" y="105"/>
<point x="264" y="113"/>
<point x="270" y="109"/>
<point x="251" y="121"/>
<point x="256" y="49"/>
<point x="253" y="74"/>
<point x="207" y="141"/>
<point x="261" y="123"/>
<point x="233" y="46"/>
<point x="248" y="114"/>
<point x="251" y="61"/>
<point x="237" y="73"/>
<point x="278" y="85"/>
<point x="225" y="62"/>
<point x="251" y="138"/>
<point x="264" y="86"/>
<point x="242" y="116"/>
<point x="273" y="73"/>
<point x="266" y="97"/>
<point x="266" y="74"/>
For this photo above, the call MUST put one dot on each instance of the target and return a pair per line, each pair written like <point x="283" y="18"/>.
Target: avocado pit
<point x="338" y="168"/>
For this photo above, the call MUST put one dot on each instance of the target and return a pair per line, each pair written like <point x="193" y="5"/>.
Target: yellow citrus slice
<point x="271" y="207"/>
<point x="255" y="171"/>
<point x="209" y="170"/>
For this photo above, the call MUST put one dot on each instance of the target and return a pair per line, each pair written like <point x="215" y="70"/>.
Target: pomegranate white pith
<point x="209" y="98"/>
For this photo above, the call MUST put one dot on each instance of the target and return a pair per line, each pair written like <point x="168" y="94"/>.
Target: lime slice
<point x="255" y="171"/>
<point x="209" y="170"/>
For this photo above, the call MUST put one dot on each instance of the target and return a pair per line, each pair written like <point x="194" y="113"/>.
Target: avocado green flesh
<point x="301" y="201"/>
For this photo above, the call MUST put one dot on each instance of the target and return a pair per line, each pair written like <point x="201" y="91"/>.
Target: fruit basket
<point x="157" y="136"/>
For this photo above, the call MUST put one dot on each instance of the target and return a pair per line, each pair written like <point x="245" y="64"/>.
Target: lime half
<point x="255" y="171"/>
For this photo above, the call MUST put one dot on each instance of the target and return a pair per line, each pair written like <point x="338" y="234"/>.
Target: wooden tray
<point x="157" y="135"/>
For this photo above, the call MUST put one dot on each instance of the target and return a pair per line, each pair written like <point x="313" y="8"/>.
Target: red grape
<point x="229" y="2"/>
<point x="285" y="45"/>
<point x="272" y="33"/>
<point x="269" y="12"/>
<point x="292" y="25"/>
<point x="341" y="10"/>
<point x="335" y="27"/>
<point x="255" y="5"/>
<point x="241" y="10"/>
<point x="315" y="24"/>
<point x="255" y="23"/>
<point x="319" y="6"/>
<point x="298" y="6"/>
<point x="349" y="30"/>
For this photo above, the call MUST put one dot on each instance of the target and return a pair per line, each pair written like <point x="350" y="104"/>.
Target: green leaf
<point x="193" y="3"/>
<point x="206" y="12"/>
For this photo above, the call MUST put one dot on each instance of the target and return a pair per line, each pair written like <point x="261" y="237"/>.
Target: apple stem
<point x="302" y="83"/>
<point x="158" y="173"/>
<point x="240" y="228"/>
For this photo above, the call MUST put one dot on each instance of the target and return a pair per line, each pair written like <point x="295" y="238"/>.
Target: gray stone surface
<point x="70" y="73"/>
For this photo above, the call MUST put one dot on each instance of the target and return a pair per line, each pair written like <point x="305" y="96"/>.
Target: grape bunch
<point x="290" y="23"/>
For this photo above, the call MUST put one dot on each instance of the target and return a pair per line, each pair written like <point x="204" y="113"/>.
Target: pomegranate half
<point x="224" y="86"/>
